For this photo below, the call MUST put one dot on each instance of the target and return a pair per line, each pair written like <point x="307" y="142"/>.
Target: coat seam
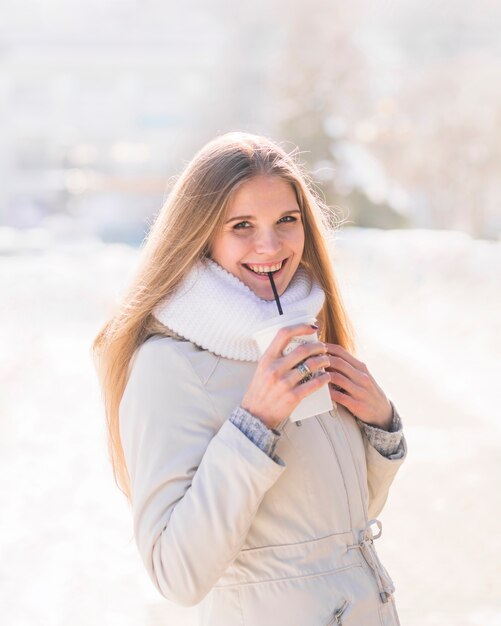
<point x="297" y="543"/>
<point x="209" y="376"/>
<point x="364" y="504"/>
<point x="286" y="578"/>
<point x="197" y="375"/>
<point x="339" y="465"/>
<point x="240" y="604"/>
<point x="306" y="474"/>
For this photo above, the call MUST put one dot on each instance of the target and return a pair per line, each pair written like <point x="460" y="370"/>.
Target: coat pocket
<point x="337" y="615"/>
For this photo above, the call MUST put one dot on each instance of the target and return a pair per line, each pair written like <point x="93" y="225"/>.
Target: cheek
<point x="301" y="244"/>
<point x="296" y="241"/>
<point x="228" y="251"/>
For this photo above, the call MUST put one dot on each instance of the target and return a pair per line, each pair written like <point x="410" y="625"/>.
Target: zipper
<point x="336" y="619"/>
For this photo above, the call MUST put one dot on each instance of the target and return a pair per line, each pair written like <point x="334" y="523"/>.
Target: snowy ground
<point x="426" y="306"/>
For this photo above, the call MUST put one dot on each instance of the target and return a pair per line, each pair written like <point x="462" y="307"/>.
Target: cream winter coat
<point x="220" y="524"/>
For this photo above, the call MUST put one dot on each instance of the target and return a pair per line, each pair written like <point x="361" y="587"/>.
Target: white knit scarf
<point x="217" y="311"/>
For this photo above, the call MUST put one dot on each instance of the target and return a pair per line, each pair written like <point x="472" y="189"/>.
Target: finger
<point x="346" y="385"/>
<point x="340" y="365"/>
<point x="337" y="350"/>
<point x="350" y="403"/>
<point x="307" y="388"/>
<point x="315" y="365"/>
<point x="303" y="352"/>
<point x="284" y="336"/>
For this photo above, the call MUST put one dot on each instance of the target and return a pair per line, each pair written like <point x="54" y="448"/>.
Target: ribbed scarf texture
<point x="217" y="311"/>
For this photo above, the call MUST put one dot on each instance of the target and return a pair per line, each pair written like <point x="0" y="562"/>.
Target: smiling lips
<point x="262" y="270"/>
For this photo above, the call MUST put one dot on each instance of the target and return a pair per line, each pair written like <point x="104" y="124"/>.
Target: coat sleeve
<point x="386" y="442"/>
<point x="381" y="470"/>
<point x="195" y="484"/>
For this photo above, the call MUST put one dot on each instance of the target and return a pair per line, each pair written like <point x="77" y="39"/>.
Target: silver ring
<point x="305" y="371"/>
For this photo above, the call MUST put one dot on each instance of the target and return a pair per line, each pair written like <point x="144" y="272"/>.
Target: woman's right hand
<point x="274" y="391"/>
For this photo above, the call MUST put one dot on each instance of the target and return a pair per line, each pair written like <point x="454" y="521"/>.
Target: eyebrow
<point x="246" y="217"/>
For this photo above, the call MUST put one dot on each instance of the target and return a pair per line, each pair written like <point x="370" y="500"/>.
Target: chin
<point x="267" y="293"/>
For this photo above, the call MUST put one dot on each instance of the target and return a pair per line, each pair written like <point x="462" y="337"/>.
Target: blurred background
<point x="396" y="110"/>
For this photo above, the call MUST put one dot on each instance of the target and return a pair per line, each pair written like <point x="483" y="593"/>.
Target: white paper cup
<point x="317" y="402"/>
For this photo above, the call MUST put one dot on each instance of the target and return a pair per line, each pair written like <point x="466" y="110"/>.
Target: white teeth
<point x="263" y="269"/>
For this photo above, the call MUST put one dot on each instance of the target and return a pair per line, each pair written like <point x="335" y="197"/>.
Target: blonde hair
<point x="182" y="234"/>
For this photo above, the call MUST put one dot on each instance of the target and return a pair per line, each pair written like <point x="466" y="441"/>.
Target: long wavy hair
<point x="181" y="235"/>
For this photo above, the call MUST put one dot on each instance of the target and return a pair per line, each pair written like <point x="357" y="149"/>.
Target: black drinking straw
<point x="277" y="299"/>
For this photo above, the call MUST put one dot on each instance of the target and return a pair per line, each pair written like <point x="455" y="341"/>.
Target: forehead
<point x="263" y="193"/>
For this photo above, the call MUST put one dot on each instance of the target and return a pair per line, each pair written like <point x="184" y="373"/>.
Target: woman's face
<point x="262" y="231"/>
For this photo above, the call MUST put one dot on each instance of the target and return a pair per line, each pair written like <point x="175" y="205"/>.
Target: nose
<point x="267" y="243"/>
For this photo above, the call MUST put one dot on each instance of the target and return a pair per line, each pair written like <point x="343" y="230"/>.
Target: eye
<point x="290" y="220"/>
<point x="237" y="226"/>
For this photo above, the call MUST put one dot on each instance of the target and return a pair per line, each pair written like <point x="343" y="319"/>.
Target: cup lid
<point x="287" y="319"/>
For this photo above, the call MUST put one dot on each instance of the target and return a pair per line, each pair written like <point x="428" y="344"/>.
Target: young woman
<point x="256" y="519"/>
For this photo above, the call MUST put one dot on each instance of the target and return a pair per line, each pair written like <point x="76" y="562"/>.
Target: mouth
<point x="264" y="275"/>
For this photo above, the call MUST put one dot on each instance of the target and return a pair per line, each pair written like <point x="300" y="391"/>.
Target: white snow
<point x="431" y="299"/>
<point x="428" y="300"/>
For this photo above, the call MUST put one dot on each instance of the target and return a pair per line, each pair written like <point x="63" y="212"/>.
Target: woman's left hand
<point x="356" y="388"/>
